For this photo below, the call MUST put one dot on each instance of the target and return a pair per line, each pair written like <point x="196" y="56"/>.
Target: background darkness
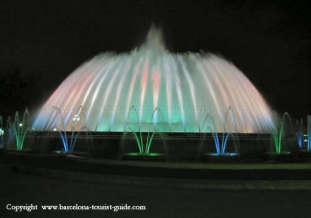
<point x="42" y="42"/>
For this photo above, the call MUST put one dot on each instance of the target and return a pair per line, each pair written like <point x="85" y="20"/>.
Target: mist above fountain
<point x="152" y="88"/>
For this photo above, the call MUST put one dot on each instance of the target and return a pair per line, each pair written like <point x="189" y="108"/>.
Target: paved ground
<point x="211" y="171"/>
<point x="161" y="200"/>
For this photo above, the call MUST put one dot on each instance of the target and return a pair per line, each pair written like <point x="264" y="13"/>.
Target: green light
<point x="143" y="139"/>
<point x="151" y="154"/>
<point x="144" y="145"/>
<point x="277" y="138"/>
<point x="20" y="128"/>
<point x="278" y="134"/>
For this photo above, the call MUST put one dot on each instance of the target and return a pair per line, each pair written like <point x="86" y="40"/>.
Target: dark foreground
<point x="32" y="180"/>
<point x="21" y="188"/>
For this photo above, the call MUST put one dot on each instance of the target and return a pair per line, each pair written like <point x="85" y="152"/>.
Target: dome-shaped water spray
<point x="151" y="87"/>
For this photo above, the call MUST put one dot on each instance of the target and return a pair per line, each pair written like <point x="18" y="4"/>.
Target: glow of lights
<point x="309" y="133"/>
<point x="76" y="118"/>
<point x="278" y="134"/>
<point x="300" y="135"/>
<point x="68" y="139"/>
<point x="183" y="87"/>
<point x="20" y="129"/>
<point x="221" y="144"/>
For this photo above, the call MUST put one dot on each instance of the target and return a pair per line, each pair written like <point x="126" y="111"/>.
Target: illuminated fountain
<point x="282" y="133"/>
<point x="143" y="139"/>
<point x="303" y="140"/>
<point x="300" y="134"/>
<point x="184" y="87"/>
<point x="68" y="138"/>
<point x="20" y="127"/>
<point x="219" y="139"/>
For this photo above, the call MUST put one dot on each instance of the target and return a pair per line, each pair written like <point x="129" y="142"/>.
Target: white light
<point x="76" y="118"/>
<point x="113" y="94"/>
<point x="20" y="124"/>
<point x="1" y="132"/>
<point x="54" y="129"/>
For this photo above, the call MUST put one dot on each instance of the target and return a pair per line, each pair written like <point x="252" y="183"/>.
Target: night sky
<point x="42" y="42"/>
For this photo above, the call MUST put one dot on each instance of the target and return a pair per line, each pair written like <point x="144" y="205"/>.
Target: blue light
<point x="309" y="133"/>
<point x="300" y="139"/>
<point x="221" y="146"/>
<point x="68" y="144"/>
